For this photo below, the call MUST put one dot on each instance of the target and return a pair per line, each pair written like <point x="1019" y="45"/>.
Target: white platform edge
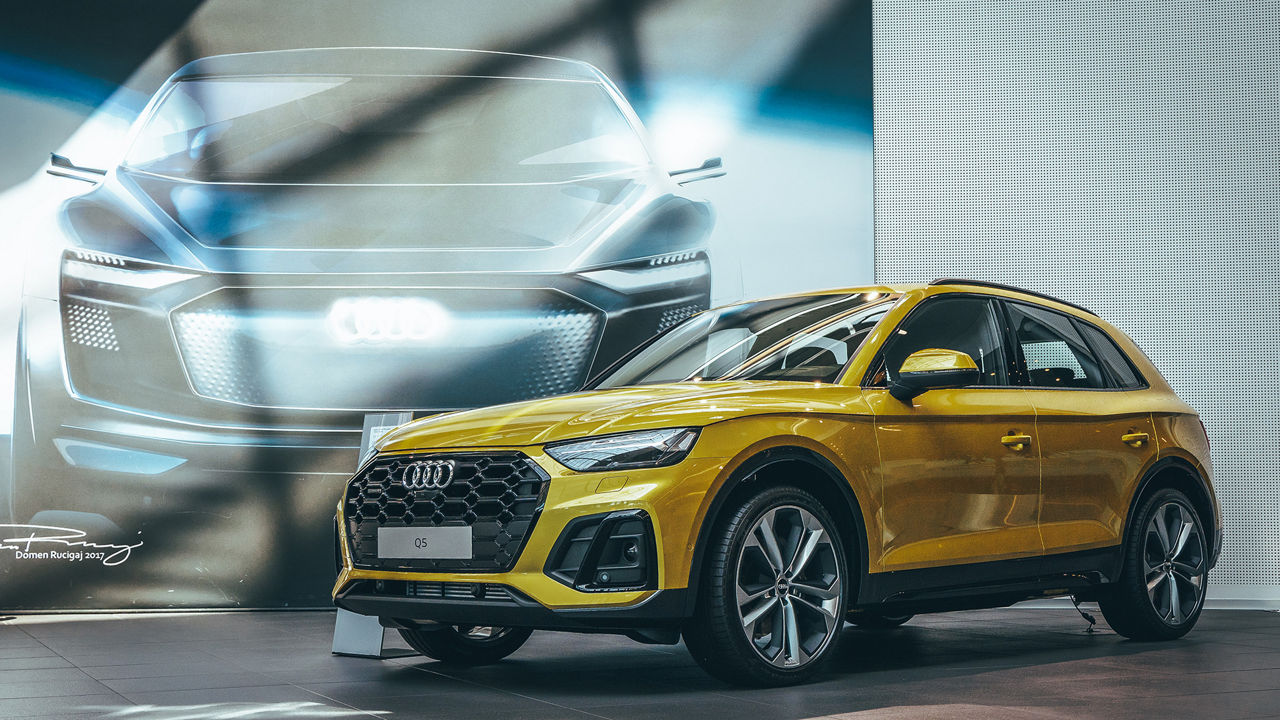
<point x="361" y="635"/>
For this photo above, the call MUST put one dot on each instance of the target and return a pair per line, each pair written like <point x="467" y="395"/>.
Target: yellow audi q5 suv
<point x="758" y="475"/>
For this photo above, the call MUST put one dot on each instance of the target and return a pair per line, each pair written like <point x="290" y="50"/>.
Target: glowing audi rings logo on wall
<point x="387" y="320"/>
<point x="428" y="475"/>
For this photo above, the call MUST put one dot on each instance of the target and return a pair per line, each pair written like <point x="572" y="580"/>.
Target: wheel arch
<point x="821" y="477"/>
<point x="1179" y="474"/>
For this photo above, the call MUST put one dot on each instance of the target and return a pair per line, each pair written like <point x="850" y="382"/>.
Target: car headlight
<point x="114" y="270"/>
<point x="642" y="449"/>
<point x="645" y="275"/>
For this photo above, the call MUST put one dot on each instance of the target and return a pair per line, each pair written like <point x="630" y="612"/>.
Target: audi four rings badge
<point x="428" y="475"/>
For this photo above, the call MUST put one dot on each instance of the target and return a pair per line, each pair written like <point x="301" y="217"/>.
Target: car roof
<point x="947" y="285"/>
<point x="390" y="61"/>
<point x="860" y="289"/>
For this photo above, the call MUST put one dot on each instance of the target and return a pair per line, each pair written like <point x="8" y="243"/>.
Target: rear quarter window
<point x="1118" y="365"/>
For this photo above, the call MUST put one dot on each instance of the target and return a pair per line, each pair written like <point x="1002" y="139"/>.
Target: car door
<point x="959" y="469"/>
<point x="1095" y="436"/>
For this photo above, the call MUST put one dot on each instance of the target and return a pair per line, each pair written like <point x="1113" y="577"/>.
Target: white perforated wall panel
<point x="1121" y="155"/>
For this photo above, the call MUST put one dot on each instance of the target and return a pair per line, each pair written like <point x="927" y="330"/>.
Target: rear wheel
<point x="467" y="644"/>
<point x="772" y="600"/>
<point x="1166" y="563"/>
<point x="877" y="621"/>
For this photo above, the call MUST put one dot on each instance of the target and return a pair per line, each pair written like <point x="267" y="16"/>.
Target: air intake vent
<point x="677" y="315"/>
<point x="609" y="552"/>
<point x="91" y="326"/>
<point x="476" y="592"/>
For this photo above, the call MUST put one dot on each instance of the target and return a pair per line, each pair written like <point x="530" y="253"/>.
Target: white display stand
<point x="362" y="635"/>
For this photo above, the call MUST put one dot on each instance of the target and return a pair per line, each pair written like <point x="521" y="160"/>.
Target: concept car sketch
<point x="763" y="472"/>
<point x="296" y="238"/>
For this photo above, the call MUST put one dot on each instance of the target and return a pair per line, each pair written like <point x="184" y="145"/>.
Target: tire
<point x="467" y="645"/>
<point x="869" y="620"/>
<point x="754" y="625"/>
<point x="1160" y="592"/>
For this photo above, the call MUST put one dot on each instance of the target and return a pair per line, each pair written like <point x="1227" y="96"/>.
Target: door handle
<point x="1135" y="439"/>
<point x="1016" y="443"/>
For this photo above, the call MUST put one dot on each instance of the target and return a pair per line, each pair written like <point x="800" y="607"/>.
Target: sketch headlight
<point x="670" y="269"/>
<point x="114" y="270"/>
<point x="643" y="449"/>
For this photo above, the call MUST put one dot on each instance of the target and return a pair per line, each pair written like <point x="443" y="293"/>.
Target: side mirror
<point x="712" y="168"/>
<point x="63" y="167"/>
<point x="933" y="369"/>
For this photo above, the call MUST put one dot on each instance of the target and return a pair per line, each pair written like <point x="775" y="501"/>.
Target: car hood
<point x="328" y="228"/>
<point x="601" y="412"/>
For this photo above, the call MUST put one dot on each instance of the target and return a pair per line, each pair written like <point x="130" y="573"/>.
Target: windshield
<point x="815" y="336"/>
<point x="386" y="130"/>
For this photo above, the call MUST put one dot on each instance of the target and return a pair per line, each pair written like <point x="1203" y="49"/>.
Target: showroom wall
<point x="1123" y="156"/>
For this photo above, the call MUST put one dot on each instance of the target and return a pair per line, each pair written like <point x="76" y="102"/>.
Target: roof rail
<point x="998" y="286"/>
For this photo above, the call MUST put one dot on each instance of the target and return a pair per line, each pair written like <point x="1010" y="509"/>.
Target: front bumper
<point x="662" y="609"/>
<point x="228" y="511"/>
<point x="87" y="455"/>
<point x="540" y="599"/>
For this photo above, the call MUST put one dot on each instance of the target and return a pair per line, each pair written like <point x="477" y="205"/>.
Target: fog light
<point x="100" y="456"/>
<point x="607" y="552"/>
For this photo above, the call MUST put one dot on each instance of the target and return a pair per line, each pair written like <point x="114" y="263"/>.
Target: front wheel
<point x="773" y="595"/>
<point x="466" y="644"/>
<point x="1166" y="562"/>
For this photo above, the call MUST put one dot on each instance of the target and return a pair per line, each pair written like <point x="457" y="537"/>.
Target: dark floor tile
<point x="58" y="716"/>
<point x="1220" y="706"/>
<point x="426" y="706"/>
<point x="44" y="708"/>
<point x="701" y="707"/>
<point x="23" y="677"/>
<point x="52" y="689"/>
<point x="1193" y="659"/>
<point x="159" y="670"/>
<point x="263" y="698"/>
<point x="34" y="663"/>
<point x="12" y="637"/>
<point x="10" y="653"/>
<point x="406" y="684"/>
<point x="130" y="656"/>
<point x="199" y="681"/>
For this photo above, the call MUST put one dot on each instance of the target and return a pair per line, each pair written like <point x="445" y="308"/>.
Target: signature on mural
<point x="48" y="542"/>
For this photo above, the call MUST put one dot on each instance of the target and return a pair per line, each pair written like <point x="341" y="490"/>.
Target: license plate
<point x="440" y="543"/>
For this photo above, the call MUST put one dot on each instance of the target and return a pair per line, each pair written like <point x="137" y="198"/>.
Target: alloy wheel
<point x="1174" y="556"/>
<point x="789" y="589"/>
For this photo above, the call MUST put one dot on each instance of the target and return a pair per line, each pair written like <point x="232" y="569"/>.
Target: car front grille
<point x="289" y="347"/>
<point x="498" y="495"/>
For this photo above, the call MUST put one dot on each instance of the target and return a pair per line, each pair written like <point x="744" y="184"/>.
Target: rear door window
<point x="1054" y="353"/>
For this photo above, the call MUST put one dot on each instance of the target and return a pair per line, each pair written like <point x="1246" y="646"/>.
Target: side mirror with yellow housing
<point x="933" y="369"/>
